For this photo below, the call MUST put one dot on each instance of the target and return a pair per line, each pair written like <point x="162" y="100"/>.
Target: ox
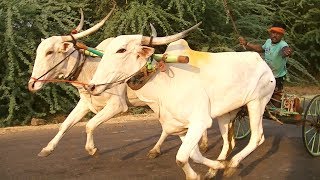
<point x="114" y="101"/>
<point x="187" y="97"/>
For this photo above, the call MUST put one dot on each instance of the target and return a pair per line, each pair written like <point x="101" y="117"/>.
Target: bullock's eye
<point x="121" y="50"/>
<point x="48" y="53"/>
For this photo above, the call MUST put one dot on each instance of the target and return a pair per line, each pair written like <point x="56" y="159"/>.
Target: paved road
<point x="122" y="154"/>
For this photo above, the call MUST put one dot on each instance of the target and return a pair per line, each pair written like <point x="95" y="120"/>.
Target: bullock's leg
<point x="204" y="142"/>
<point x="228" y="139"/>
<point x="114" y="106"/>
<point x="255" y="109"/>
<point x="75" y="116"/>
<point x="155" y="151"/>
<point x="189" y="148"/>
<point x="197" y="157"/>
<point x="183" y="161"/>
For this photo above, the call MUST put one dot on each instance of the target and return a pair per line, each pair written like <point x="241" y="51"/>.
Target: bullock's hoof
<point x="153" y="154"/>
<point x="92" y="151"/>
<point x="224" y="164"/>
<point x="229" y="171"/>
<point x="44" y="153"/>
<point x="211" y="174"/>
<point x="203" y="148"/>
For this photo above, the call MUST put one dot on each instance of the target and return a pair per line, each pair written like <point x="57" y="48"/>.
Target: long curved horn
<point x="79" y="27"/>
<point x="153" y="31"/>
<point x="90" y="30"/>
<point x="168" y="39"/>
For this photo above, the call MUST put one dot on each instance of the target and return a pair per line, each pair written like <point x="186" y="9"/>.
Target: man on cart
<point x="276" y="51"/>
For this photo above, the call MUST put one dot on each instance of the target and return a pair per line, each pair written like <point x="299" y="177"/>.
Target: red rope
<point x="59" y="80"/>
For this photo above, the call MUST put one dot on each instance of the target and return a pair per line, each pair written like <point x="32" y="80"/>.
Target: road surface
<point x="123" y="143"/>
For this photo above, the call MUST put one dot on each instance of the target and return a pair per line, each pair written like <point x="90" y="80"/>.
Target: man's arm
<point x="250" y="46"/>
<point x="286" y="51"/>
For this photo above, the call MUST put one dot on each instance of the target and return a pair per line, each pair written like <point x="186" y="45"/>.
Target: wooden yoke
<point x="171" y="58"/>
<point x="89" y="49"/>
<point x="144" y="74"/>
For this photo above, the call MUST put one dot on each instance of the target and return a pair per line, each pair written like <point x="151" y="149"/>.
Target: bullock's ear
<point x="145" y="52"/>
<point x="65" y="46"/>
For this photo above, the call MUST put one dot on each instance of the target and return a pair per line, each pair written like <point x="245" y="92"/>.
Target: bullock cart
<point x="289" y="109"/>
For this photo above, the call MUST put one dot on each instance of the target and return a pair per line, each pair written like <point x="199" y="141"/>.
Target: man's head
<point x="276" y="32"/>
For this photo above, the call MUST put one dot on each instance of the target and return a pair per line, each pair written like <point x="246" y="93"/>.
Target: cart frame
<point x="291" y="109"/>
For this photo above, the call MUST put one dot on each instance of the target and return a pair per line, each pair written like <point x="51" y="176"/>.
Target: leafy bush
<point x="25" y="22"/>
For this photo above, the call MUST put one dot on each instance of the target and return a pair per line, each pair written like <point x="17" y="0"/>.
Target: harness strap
<point x="74" y="42"/>
<point x="140" y="78"/>
<point x="77" y="68"/>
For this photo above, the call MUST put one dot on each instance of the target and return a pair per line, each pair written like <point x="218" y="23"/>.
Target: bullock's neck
<point x="148" y="93"/>
<point x="88" y="69"/>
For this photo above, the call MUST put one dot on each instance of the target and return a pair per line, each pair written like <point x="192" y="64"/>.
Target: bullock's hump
<point x="104" y="44"/>
<point x="179" y="45"/>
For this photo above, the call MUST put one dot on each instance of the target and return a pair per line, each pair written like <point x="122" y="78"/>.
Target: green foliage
<point x="24" y="22"/>
<point x="304" y="36"/>
<point x="138" y="110"/>
<point x="253" y="18"/>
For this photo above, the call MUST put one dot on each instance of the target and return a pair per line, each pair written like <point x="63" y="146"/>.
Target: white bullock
<point x="56" y="49"/>
<point x="188" y="96"/>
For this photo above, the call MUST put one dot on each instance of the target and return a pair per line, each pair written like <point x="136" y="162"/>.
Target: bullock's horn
<point x="153" y="31"/>
<point x="90" y="30"/>
<point x="79" y="27"/>
<point x="168" y="39"/>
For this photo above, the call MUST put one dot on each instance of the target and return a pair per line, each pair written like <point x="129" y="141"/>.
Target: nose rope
<point x="117" y="82"/>
<point x="82" y="83"/>
<point x="59" y="80"/>
<point x="78" y="82"/>
<point x="37" y="79"/>
<point x="74" y="41"/>
<point x="124" y="79"/>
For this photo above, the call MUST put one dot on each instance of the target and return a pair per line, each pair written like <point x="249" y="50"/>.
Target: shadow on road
<point x="134" y="153"/>
<point x="274" y="148"/>
<point x="127" y="145"/>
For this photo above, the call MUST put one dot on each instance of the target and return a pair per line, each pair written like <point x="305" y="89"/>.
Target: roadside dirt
<point x="302" y="90"/>
<point x="117" y="120"/>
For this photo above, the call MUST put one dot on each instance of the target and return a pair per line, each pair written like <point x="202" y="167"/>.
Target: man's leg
<point x="277" y="94"/>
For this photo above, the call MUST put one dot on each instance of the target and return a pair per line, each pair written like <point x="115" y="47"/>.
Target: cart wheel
<point x="311" y="127"/>
<point x="241" y="125"/>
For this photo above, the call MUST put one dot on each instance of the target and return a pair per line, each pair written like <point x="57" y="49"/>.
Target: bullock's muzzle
<point x="93" y="89"/>
<point x="31" y="86"/>
<point x="90" y="87"/>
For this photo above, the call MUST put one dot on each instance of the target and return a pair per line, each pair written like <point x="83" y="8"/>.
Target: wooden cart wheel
<point x="311" y="127"/>
<point x="241" y="125"/>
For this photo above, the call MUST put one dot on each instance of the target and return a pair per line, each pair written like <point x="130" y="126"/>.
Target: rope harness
<point x="73" y="75"/>
<point x="135" y="81"/>
<point x="142" y="76"/>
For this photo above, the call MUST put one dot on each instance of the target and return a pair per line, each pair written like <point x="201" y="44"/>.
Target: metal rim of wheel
<point x="241" y="126"/>
<point x="311" y="127"/>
